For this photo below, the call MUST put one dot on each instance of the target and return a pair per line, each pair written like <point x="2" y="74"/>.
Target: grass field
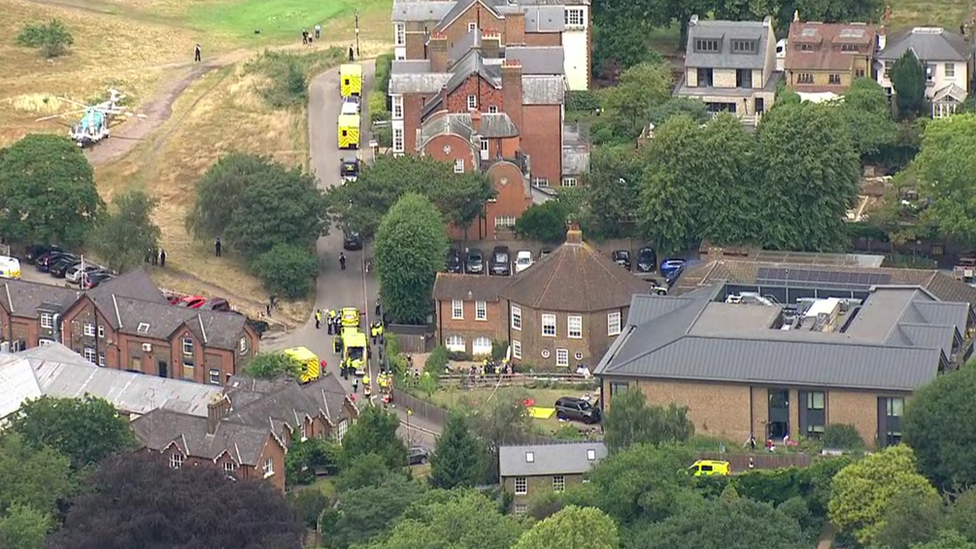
<point x="451" y="396"/>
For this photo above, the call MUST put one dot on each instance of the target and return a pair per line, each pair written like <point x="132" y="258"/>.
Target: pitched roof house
<point x="827" y="57"/>
<point x="527" y="469"/>
<point x="29" y="312"/>
<point x="946" y="56"/>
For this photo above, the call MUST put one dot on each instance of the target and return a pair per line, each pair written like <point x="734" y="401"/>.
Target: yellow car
<point x="706" y="467"/>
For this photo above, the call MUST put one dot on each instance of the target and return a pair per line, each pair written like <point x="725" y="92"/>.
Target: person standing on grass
<point x="350" y="53"/>
<point x="162" y="257"/>
<point x="196" y="54"/>
<point x="304" y="37"/>
<point x="217" y="247"/>
<point x="318" y="31"/>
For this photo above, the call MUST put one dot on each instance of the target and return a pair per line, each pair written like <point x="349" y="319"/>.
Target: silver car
<point x="74" y="273"/>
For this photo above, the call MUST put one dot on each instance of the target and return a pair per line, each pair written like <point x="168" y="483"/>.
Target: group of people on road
<point x="332" y="319"/>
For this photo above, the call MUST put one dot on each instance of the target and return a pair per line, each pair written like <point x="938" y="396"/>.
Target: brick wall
<point x="856" y="408"/>
<point x="413" y="105"/>
<point x="513" y="32"/>
<point x="485" y="94"/>
<point x="449" y="148"/>
<point x="591" y="347"/>
<point x="477" y="14"/>
<point x="536" y="484"/>
<point x="542" y="140"/>
<point x="543" y="39"/>
<point x="510" y="200"/>
<point x="469" y="328"/>
<point x="73" y="325"/>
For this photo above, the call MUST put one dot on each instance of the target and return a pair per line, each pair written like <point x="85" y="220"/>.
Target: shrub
<point x="384" y="136"/>
<point x="286" y="74"/>
<point x="842" y="436"/>
<point x="384" y="67"/>
<point x="377" y="107"/>
<point x="308" y="504"/>
<point x="498" y="349"/>
<point x="52" y="38"/>
<point x="459" y="356"/>
<point x="582" y="100"/>
<point x="286" y="270"/>
<point x="437" y="361"/>
<point x="545" y="222"/>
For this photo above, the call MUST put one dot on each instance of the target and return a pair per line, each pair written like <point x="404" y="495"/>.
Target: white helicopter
<point x="95" y="119"/>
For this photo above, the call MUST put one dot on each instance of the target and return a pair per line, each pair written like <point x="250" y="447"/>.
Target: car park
<point x="352" y="240"/>
<point x="475" y="262"/>
<point x="577" y="409"/>
<point x="34" y="251"/>
<point x="418" y="455"/>
<point x="45" y="260"/>
<point x="523" y="260"/>
<point x="621" y="257"/>
<point x="453" y="264"/>
<point x="501" y="261"/>
<point x="75" y="272"/>
<point x="60" y="266"/>
<point x="9" y="267"/>
<point x="646" y="260"/>
<point x="671" y="268"/>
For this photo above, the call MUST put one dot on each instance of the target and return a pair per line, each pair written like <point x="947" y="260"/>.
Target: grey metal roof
<point x="929" y="44"/>
<point x="429" y="10"/>
<point x="418" y="83"/>
<point x="23" y="299"/>
<point x="410" y="66"/>
<point x="725" y="32"/>
<point x="568" y="458"/>
<point x="159" y="429"/>
<point x="543" y="90"/>
<point x="554" y="2"/>
<point x="544" y="18"/>
<point x="495" y="125"/>
<point x="538" y="59"/>
<point x="890" y="344"/>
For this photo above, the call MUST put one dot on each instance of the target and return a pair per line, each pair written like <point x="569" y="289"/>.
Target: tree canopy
<point x="136" y="501"/>
<point x="631" y="420"/>
<point x="865" y="490"/>
<point x="272" y="365"/>
<point x="943" y="168"/>
<point x="37" y="478"/>
<point x="286" y="270"/>
<point x="411" y="248"/>
<point x="866" y="109"/>
<point x="458" y="460"/>
<point x="545" y="222"/>
<point x="86" y="430"/>
<point x="642" y="88"/>
<point x="374" y="433"/>
<point x="366" y="512"/>
<point x="572" y="527"/>
<point x="501" y="420"/>
<point x="126" y="231"/>
<point x="908" y="80"/>
<point x="52" y="38"/>
<point x="47" y="191"/>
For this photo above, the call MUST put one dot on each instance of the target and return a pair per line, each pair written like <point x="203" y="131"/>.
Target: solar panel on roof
<point x="763" y="272"/>
<point x="808" y="32"/>
<point x="885" y="278"/>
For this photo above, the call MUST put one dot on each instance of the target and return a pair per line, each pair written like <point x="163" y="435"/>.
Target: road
<point x="337" y="288"/>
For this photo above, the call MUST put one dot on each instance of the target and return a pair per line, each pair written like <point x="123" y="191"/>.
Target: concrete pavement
<point x="336" y="288"/>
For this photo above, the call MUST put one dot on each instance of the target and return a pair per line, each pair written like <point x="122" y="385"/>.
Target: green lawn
<point x="926" y="13"/>
<point x="277" y="19"/>
<point x="450" y="397"/>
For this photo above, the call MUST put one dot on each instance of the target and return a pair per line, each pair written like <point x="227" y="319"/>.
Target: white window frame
<point x="562" y="357"/>
<point x="516" y="318"/>
<point x="578" y="321"/>
<point x="459" y="165"/>
<point x="455" y="343"/>
<point x="400" y="34"/>
<point x="516" y="349"/>
<point x="142" y="328"/>
<point x="47" y="321"/>
<point x="548" y="325"/>
<point x="492" y="109"/>
<point x="472" y="102"/>
<point x="243" y="345"/>
<point x="229" y="467"/>
<point x="558" y="483"/>
<point x="950" y="70"/>
<point x="398" y="140"/>
<point x="268" y="467"/>
<point x="613" y="324"/>
<point x="575" y="18"/>
<point x="304" y="431"/>
<point x="521" y="486"/>
<point x="89" y="329"/>
<point x="521" y="509"/>
<point x="176" y="461"/>
<point x="341" y="430"/>
<point x="540" y="182"/>
<point x="480" y="349"/>
<point x="101" y="359"/>
<point x="504" y="221"/>
<point x="481" y="310"/>
<point x="91" y="355"/>
<point x="101" y="331"/>
<point x="472" y="26"/>
<point x="570" y="182"/>
<point x="590" y="454"/>
<point x="187" y="343"/>
<point x="214" y="376"/>
<point x="457" y="309"/>
<point x="530" y="457"/>
<point x="397" y="103"/>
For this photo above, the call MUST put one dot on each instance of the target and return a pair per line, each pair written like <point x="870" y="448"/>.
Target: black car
<point x="622" y="258"/>
<point x="501" y="261"/>
<point x="646" y="260"/>
<point x="216" y="304"/>
<point x="352" y="240"/>
<point x="92" y="280"/>
<point x="35" y="251"/>
<point x="259" y="326"/>
<point x="454" y="261"/>
<point x="46" y="261"/>
<point x="418" y="455"/>
<point x="576" y="409"/>
<point x="59" y="267"/>
<point x="475" y="262"/>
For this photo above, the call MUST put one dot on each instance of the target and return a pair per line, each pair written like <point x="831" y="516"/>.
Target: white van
<point x="9" y="267"/>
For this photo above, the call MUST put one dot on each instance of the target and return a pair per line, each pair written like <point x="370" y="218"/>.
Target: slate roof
<point x="929" y="44"/>
<point x="941" y="285"/>
<point x="289" y="402"/>
<point x="450" y="286"/>
<point x="892" y="347"/>
<point x="427" y="10"/>
<point x="538" y="59"/>
<point x="574" y="278"/>
<point x="566" y="458"/>
<point x="159" y="429"/>
<point x="543" y="90"/>
<point x="725" y="32"/>
<point x="220" y="330"/>
<point x="23" y="299"/>
<point x="426" y="82"/>
<point x="827" y="39"/>
<point x="134" y="284"/>
<point x="544" y="18"/>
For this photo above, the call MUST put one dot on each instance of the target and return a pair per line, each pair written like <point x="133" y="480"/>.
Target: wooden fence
<point x="761" y="460"/>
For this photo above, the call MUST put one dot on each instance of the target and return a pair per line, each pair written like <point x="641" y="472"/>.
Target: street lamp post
<point x="357" y="33"/>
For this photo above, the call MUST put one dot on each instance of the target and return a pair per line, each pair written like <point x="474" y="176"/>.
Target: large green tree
<point x="864" y="491"/>
<point x="255" y="203"/>
<point x="458" y="459"/>
<point x="572" y="527"/>
<point x="410" y="249"/>
<point x="961" y="515"/>
<point x="545" y="222"/>
<point x="37" y="478"/>
<point x="47" y="191"/>
<point x="137" y="501"/>
<point x="810" y="176"/>
<point x="272" y="365"/>
<point x="498" y="421"/>
<point x="366" y="512"/>
<point x="374" y="433"/>
<point x="360" y="205"/>
<point x="947" y="539"/>
<point x="943" y="169"/>
<point x="867" y="112"/>
<point x="642" y="88"/>
<point x="86" y="430"/>
<point x="911" y="518"/>
<point x="631" y="420"/>
<point x="126" y="232"/>
<point x="612" y="190"/>
<point x="23" y="527"/>
<point x="908" y="80"/>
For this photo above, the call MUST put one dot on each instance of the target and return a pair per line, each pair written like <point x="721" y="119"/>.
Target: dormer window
<point x="806" y="47"/>
<point x="143" y="328"/>
<point x="530" y="457"/>
<point x="852" y="48"/>
<point x="707" y="45"/>
<point x="745" y="46"/>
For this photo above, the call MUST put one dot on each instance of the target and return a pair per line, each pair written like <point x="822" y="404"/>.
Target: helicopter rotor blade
<point x="53" y="116"/>
<point x="73" y="102"/>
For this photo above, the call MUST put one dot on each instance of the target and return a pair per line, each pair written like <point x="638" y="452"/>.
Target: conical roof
<point x="574" y="278"/>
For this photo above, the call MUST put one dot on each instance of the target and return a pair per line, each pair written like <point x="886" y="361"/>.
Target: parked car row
<point x="200" y="302"/>
<point x="670" y="268"/>
<point x="498" y="263"/>
<point x="63" y="264"/>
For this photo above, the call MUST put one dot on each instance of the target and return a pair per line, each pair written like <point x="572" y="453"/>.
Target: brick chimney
<point x="491" y="44"/>
<point x="515" y="29"/>
<point x="512" y="90"/>
<point x="476" y="121"/>
<point x="217" y="408"/>
<point x="437" y="50"/>
<point x="574" y="235"/>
